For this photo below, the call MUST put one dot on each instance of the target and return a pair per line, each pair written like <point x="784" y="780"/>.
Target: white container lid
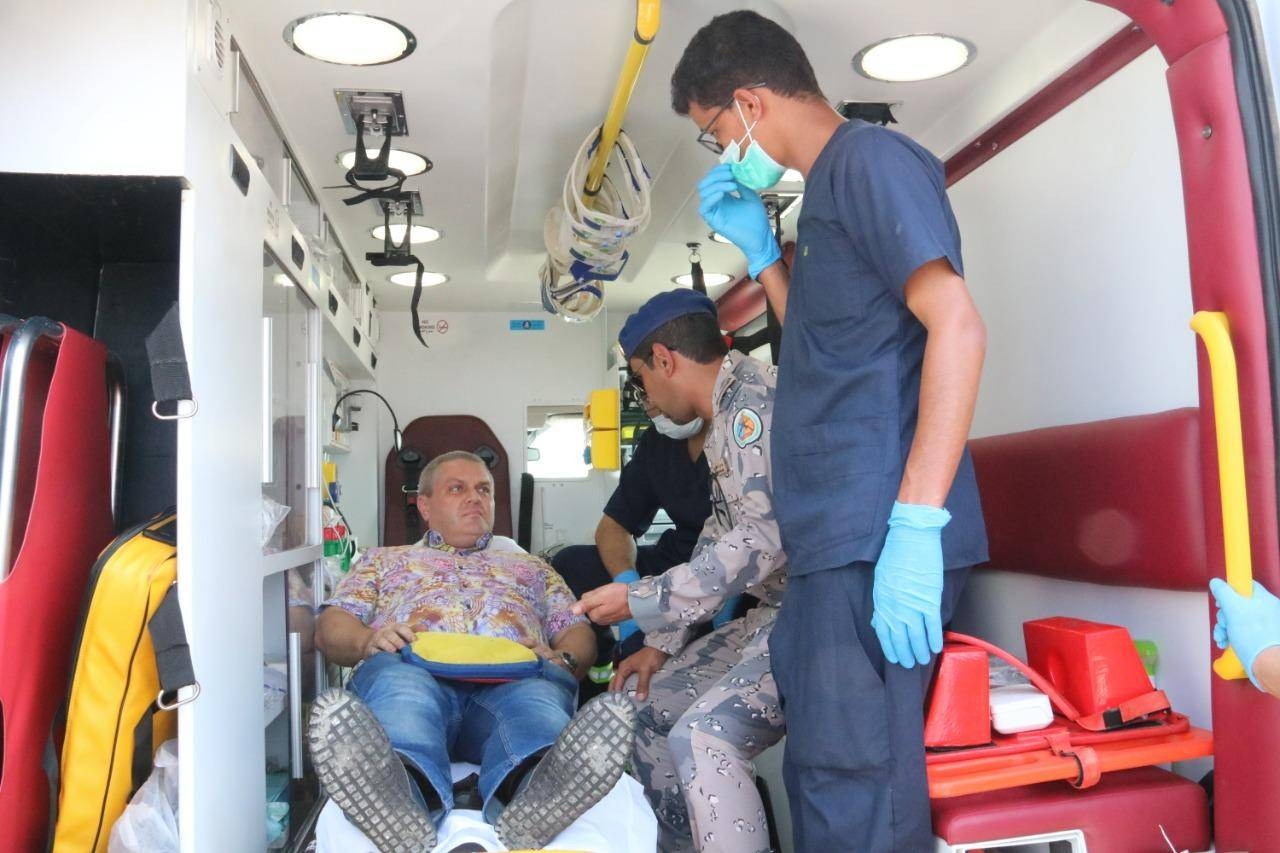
<point x="1019" y="708"/>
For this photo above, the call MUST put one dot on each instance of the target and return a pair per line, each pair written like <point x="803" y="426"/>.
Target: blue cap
<point x="659" y="311"/>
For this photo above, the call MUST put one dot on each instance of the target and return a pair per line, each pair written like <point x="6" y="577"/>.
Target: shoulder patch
<point x="747" y="427"/>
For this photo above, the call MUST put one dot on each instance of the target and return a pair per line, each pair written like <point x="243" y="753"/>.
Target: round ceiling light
<point x="406" y="161"/>
<point x="711" y="279"/>
<point x="420" y="233"/>
<point x="408" y="277"/>
<point x="905" y="59"/>
<point x="349" y="38"/>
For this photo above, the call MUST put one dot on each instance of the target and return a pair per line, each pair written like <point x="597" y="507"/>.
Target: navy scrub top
<point x="660" y="475"/>
<point x="875" y="210"/>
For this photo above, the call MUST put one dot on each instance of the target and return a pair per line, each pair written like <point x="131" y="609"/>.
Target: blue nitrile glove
<point x="1248" y="625"/>
<point x="907" y="590"/>
<point x="727" y="611"/>
<point x="741" y="220"/>
<point x="629" y="626"/>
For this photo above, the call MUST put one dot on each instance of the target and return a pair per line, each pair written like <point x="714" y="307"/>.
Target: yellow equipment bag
<point x="131" y="661"/>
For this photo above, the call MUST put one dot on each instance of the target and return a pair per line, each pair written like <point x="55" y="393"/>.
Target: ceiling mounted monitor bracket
<point x="379" y="110"/>
<point x="779" y="204"/>
<point x="876" y="112"/>
<point x="406" y="201"/>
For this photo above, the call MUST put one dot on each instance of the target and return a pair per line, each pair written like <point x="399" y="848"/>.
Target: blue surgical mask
<point x="671" y="429"/>
<point x="754" y="169"/>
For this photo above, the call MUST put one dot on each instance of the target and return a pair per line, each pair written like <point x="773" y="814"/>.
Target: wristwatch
<point x="569" y="661"/>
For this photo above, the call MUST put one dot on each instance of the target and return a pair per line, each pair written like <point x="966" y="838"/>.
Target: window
<point x="556" y="443"/>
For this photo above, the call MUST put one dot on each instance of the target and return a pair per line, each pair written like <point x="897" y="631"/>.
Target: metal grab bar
<point x="13" y="378"/>
<point x="648" y="18"/>
<point x="1215" y="331"/>
<point x="117" y="396"/>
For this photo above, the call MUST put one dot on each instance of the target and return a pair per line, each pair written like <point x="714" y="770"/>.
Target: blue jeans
<point x="431" y="721"/>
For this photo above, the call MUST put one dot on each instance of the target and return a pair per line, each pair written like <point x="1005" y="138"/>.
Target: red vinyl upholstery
<point x="1115" y="502"/>
<point x="1123" y="813"/>
<point x="432" y="436"/>
<point x="744" y="300"/>
<point x="40" y="602"/>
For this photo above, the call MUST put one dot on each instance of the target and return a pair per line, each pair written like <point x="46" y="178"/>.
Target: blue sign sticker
<point x="528" y="325"/>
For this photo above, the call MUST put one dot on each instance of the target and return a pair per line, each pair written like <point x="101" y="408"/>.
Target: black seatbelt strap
<point x="412" y="519"/>
<point x="170" y="378"/>
<point x="173" y="655"/>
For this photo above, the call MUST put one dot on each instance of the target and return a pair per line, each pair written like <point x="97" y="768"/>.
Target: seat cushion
<point x="1121" y="814"/>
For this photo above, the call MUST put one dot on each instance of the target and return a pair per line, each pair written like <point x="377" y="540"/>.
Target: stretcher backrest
<point x="1114" y="502"/>
<point x="40" y="602"/>
<point x="436" y="434"/>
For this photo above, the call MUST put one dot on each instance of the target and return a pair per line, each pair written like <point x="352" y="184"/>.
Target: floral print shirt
<point x="464" y="591"/>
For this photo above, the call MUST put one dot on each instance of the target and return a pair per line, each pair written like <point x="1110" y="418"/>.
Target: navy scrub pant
<point x="854" y="762"/>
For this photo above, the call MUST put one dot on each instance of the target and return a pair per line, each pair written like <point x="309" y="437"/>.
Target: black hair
<point x="695" y="336"/>
<point x="740" y="49"/>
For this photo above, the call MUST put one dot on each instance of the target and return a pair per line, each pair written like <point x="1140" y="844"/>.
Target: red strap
<point x="1126" y="712"/>
<point x="1041" y="683"/>
<point x="1112" y="718"/>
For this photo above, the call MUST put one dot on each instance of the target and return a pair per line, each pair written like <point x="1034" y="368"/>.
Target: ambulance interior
<point x="186" y="153"/>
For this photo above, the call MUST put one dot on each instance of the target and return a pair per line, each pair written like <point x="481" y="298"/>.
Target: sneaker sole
<point x="362" y="774"/>
<point x="578" y="772"/>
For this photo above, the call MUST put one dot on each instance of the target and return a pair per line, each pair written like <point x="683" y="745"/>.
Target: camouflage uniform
<point x="714" y="707"/>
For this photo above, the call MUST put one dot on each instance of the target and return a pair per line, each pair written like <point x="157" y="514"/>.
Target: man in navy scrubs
<point x="667" y="472"/>
<point x="881" y="354"/>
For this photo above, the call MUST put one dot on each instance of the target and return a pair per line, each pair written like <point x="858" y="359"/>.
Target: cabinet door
<point x="289" y="330"/>
<point x="291" y="677"/>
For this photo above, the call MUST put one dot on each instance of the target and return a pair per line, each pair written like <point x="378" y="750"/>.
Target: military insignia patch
<point x="747" y="427"/>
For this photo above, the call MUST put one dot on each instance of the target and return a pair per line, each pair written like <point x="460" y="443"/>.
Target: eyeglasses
<point x="706" y="138"/>
<point x="635" y="387"/>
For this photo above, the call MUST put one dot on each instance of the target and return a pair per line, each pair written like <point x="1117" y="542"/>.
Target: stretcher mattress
<point x="620" y="823"/>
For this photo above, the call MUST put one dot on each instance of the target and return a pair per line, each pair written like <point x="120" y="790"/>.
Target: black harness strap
<point x="170" y="378"/>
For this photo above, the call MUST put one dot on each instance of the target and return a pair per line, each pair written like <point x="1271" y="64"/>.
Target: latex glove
<point x="629" y="627"/>
<point x="726" y="614"/>
<point x="741" y="220"/>
<point x="1248" y="625"/>
<point x="906" y="593"/>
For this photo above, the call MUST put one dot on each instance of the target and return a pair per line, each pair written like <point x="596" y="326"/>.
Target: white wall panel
<point x="1075" y="250"/>
<point x="479" y="367"/>
<point x="93" y="88"/>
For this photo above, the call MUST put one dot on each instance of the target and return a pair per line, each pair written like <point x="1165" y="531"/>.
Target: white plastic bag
<point x="273" y="514"/>
<point x="150" y="821"/>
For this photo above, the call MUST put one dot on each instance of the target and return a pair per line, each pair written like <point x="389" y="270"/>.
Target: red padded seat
<point x="1121" y="814"/>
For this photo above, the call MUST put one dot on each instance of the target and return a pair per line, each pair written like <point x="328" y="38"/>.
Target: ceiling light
<point x="712" y="279"/>
<point x="792" y="176"/>
<point x="420" y="233"/>
<point x="349" y="38"/>
<point x="903" y="59"/>
<point x="283" y="280"/>
<point x="406" y="161"/>
<point x="408" y="277"/>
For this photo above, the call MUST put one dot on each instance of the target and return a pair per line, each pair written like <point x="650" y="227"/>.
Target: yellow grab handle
<point x="1213" y="329"/>
<point x="648" y="17"/>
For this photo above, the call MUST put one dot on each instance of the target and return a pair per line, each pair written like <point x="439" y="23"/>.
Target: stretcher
<point x="56" y="463"/>
<point x="620" y="823"/>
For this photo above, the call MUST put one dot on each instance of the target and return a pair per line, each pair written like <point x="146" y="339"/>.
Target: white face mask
<point x="671" y="429"/>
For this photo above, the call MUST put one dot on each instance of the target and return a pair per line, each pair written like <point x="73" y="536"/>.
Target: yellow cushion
<point x="469" y="657"/>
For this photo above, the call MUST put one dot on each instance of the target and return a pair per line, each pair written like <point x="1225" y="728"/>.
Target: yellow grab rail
<point x="1213" y="329"/>
<point x="648" y="17"/>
